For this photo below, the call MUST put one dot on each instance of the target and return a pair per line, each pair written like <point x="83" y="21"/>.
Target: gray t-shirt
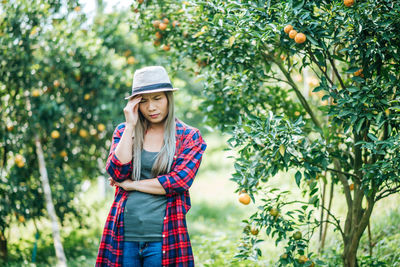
<point x="144" y="213"/>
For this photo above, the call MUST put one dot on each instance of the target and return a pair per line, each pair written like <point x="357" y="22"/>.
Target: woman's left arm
<point x="180" y="178"/>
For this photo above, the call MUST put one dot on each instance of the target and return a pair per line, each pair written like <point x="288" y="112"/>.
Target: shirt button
<point x="163" y="251"/>
<point x="165" y="218"/>
<point x="175" y="157"/>
<point x="163" y="235"/>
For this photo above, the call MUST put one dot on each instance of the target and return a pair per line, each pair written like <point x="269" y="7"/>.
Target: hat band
<point x="151" y="87"/>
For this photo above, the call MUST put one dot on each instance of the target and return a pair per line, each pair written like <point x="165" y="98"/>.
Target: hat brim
<point x="152" y="91"/>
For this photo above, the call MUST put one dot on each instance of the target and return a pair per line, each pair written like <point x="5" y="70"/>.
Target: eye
<point x="158" y="98"/>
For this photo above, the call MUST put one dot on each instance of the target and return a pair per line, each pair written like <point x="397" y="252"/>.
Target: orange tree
<point x="61" y="81"/>
<point x="249" y="55"/>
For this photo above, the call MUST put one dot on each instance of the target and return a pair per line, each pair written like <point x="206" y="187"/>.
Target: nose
<point x="151" y="106"/>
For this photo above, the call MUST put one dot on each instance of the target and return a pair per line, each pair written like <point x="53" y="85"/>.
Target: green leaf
<point x="297" y="176"/>
<point x="359" y="124"/>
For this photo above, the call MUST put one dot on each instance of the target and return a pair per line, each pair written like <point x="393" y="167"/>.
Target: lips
<point x="155" y="115"/>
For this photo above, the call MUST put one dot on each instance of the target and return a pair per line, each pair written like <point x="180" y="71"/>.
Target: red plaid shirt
<point x="176" y="247"/>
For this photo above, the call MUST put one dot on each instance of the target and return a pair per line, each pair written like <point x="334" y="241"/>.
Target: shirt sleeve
<point x="118" y="171"/>
<point x="186" y="167"/>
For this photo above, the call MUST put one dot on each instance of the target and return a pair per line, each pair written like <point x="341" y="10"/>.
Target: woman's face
<point x="154" y="104"/>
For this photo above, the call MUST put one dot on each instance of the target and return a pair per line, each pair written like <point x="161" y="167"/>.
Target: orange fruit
<point x="86" y="96"/>
<point x="55" y="134"/>
<point x="254" y="230"/>
<point x="274" y="212"/>
<point x="302" y="259"/>
<point x="300" y="38"/>
<point x="348" y="3"/>
<point x="284" y="256"/>
<point x="21" y="218"/>
<point x="130" y="60"/>
<point x="10" y="127"/>
<point x="83" y="133"/>
<point x="166" y="47"/>
<point x="101" y="127"/>
<point x="358" y="72"/>
<point x="36" y="93"/>
<point x="175" y="23"/>
<point x="292" y="34"/>
<point x="156" y="23"/>
<point x="156" y="43"/>
<point x="56" y="83"/>
<point x="297" y="113"/>
<point x="162" y="26"/>
<point x="140" y="1"/>
<point x="127" y="53"/>
<point x="158" y="35"/>
<point x="244" y="198"/>
<point x="166" y="20"/>
<point x="297" y="235"/>
<point x="63" y="153"/>
<point x="77" y="9"/>
<point x="351" y="187"/>
<point x="288" y="28"/>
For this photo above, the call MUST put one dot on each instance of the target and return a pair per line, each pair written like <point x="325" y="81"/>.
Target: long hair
<point x="165" y="157"/>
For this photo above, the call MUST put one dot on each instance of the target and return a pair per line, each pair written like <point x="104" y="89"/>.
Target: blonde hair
<point x="165" y="157"/>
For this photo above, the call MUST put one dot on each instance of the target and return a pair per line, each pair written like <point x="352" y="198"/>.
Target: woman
<point x="153" y="160"/>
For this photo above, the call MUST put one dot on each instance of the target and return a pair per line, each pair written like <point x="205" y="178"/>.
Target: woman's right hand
<point x="131" y="110"/>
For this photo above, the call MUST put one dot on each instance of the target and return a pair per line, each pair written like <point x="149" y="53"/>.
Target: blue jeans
<point x="138" y="254"/>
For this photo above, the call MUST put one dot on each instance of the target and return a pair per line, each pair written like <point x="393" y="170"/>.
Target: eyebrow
<point x="153" y="96"/>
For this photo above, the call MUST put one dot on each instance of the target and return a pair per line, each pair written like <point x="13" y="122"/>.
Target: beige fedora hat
<point x="149" y="80"/>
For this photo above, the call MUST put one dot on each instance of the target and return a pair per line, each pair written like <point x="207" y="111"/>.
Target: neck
<point x="156" y="127"/>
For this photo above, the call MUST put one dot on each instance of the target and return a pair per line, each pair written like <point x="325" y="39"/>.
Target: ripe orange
<point x="244" y="198"/>
<point x="358" y="72"/>
<point x="156" y="23"/>
<point x="83" y="133"/>
<point x="101" y="127"/>
<point x="297" y="113"/>
<point x="63" y="153"/>
<point x="162" y="26"/>
<point x="166" y="20"/>
<point x="158" y="35"/>
<point x="77" y="9"/>
<point x="21" y="218"/>
<point x="19" y="157"/>
<point x="156" y="43"/>
<point x="175" y="23"/>
<point x="348" y="3"/>
<point x="292" y="34"/>
<point x="55" y="134"/>
<point x="300" y="38"/>
<point x="127" y="53"/>
<point x="351" y="187"/>
<point x="140" y="1"/>
<point x="254" y="230"/>
<point x="166" y="47"/>
<point x="10" y="127"/>
<point x="288" y="28"/>
<point x="130" y="60"/>
<point x="56" y="83"/>
<point x="36" y="93"/>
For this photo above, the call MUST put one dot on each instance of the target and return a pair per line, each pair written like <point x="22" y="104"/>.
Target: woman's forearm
<point x="151" y="186"/>
<point x="124" y="147"/>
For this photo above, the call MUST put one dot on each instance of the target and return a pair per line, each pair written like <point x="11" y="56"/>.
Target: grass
<point x="214" y="223"/>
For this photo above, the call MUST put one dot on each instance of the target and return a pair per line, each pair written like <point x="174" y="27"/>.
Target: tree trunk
<point x="3" y="247"/>
<point x="350" y="255"/>
<point x="62" y="262"/>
